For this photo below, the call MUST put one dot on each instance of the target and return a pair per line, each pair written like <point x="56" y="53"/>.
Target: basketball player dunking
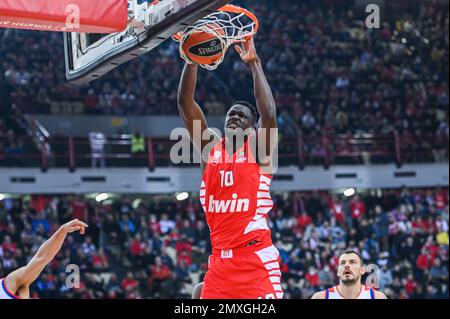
<point x="235" y="190"/>
<point x="16" y="284"/>
<point x="350" y="270"/>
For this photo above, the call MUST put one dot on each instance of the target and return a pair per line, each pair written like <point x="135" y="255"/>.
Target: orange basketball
<point x="203" y="47"/>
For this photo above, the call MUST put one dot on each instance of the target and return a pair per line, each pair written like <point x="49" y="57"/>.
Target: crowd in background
<point x="331" y="76"/>
<point x="329" y="73"/>
<point x="157" y="247"/>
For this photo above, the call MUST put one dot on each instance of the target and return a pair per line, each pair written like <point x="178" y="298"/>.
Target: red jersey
<point x="235" y="198"/>
<point x="337" y="211"/>
<point x="358" y="208"/>
<point x="441" y="200"/>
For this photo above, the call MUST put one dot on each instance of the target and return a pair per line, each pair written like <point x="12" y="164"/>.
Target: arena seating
<point x="156" y="247"/>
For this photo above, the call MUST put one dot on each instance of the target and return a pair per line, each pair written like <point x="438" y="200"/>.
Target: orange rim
<point x="232" y="9"/>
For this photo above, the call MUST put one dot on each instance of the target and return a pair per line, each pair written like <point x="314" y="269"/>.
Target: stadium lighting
<point x="2" y="196"/>
<point x="101" y="197"/>
<point x="182" y="196"/>
<point x="349" y="192"/>
<point x="136" y="203"/>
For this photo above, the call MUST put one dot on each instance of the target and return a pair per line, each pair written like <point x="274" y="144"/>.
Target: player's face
<point x="239" y="116"/>
<point x="350" y="269"/>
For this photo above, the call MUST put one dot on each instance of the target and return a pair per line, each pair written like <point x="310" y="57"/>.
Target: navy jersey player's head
<point x="241" y="115"/>
<point x="351" y="268"/>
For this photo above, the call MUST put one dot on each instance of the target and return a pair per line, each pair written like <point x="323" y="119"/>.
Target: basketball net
<point x="230" y="24"/>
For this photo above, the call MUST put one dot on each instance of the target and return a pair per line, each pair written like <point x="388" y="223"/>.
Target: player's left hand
<point x="247" y="50"/>
<point x="73" y="226"/>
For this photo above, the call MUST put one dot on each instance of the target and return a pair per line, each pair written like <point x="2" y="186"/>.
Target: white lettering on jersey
<point x="226" y="178"/>
<point x="234" y="205"/>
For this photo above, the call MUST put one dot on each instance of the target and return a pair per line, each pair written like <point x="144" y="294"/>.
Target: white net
<point x="231" y="25"/>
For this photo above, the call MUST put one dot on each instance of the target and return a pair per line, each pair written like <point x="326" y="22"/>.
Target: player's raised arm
<point x="189" y="110"/>
<point x="265" y="101"/>
<point x="25" y="276"/>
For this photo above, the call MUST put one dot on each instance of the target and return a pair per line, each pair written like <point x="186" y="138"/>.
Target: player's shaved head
<point x="349" y="252"/>
<point x="252" y="108"/>
<point x="241" y="116"/>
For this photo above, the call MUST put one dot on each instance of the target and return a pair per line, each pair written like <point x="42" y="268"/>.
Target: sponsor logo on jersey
<point x="234" y="205"/>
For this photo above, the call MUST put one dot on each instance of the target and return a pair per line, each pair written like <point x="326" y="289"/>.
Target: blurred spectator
<point x="97" y="142"/>
<point x="138" y="148"/>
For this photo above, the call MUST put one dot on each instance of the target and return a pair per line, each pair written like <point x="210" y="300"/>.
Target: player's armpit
<point x="380" y="295"/>
<point x="319" y="295"/>
<point x="12" y="281"/>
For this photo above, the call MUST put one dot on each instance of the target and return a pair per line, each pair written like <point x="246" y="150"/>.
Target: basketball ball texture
<point x="203" y="47"/>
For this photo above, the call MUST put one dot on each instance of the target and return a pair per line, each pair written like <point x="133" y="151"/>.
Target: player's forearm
<point x="190" y="111"/>
<point x="26" y="275"/>
<point x="50" y="248"/>
<point x="263" y="93"/>
<point x="188" y="83"/>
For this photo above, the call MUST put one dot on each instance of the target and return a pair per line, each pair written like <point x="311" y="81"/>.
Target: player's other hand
<point x="73" y="226"/>
<point x="247" y="50"/>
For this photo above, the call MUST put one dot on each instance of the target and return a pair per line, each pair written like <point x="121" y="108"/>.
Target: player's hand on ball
<point x="247" y="51"/>
<point x="73" y="226"/>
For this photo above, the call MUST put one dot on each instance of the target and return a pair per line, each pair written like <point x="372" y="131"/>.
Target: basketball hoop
<point x="230" y="24"/>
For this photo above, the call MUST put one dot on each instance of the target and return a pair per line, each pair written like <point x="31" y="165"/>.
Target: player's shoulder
<point x="319" y="295"/>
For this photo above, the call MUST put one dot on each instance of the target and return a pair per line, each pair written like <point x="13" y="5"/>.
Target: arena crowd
<point x="157" y="247"/>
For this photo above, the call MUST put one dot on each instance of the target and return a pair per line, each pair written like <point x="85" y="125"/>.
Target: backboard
<point x="88" y="56"/>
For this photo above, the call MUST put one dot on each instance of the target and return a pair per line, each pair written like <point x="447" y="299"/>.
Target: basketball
<point x="204" y="47"/>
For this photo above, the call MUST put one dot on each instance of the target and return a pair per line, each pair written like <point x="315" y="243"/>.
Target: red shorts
<point x="243" y="274"/>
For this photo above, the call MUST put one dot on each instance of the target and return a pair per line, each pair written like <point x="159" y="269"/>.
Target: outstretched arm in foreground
<point x="25" y="276"/>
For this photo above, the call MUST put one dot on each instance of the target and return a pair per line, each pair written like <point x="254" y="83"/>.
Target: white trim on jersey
<point x="4" y="292"/>
<point x="264" y="204"/>
<point x="365" y="293"/>
<point x="269" y="257"/>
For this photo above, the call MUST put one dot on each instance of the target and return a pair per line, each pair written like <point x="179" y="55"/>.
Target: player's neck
<point x="233" y="144"/>
<point x="350" y="291"/>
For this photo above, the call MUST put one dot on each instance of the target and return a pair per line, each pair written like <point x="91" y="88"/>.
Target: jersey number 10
<point x="226" y="178"/>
